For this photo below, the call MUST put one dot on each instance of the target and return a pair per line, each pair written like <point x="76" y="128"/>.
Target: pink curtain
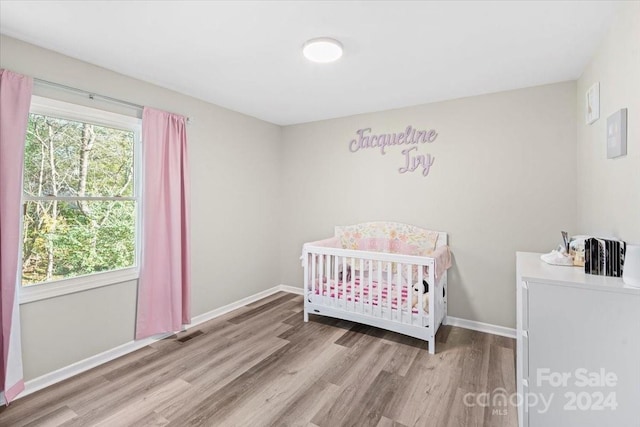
<point x="15" y="99"/>
<point x="164" y="289"/>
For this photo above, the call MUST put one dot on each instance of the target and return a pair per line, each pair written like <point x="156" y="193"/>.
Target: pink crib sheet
<point x="330" y="291"/>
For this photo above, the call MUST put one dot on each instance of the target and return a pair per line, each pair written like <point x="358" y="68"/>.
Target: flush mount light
<point x="322" y="49"/>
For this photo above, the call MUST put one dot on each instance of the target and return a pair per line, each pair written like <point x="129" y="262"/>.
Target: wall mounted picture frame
<point x="592" y="105"/>
<point x="617" y="134"/>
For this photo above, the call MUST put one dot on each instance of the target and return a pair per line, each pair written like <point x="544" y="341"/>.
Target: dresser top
<point x="530" y="267"/>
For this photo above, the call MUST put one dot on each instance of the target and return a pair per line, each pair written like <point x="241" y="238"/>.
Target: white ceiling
<point x="246" y="56"/>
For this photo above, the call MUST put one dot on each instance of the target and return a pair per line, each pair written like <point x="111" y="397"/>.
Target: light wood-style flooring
<point x="261" y="365"/>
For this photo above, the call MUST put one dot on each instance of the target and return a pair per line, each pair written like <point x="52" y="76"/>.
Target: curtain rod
<point x="93" y="96"/>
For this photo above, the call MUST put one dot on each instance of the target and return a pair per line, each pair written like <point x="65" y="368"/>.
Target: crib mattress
<point x="342" y="291"/>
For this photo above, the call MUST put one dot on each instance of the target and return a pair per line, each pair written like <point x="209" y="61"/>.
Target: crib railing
<point x="374" y="284"/>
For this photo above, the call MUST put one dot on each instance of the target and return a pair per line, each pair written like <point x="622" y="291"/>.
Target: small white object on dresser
<point x="578" y="347"/>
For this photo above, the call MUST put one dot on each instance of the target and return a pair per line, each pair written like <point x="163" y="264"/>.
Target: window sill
<point x="75" y="284"/>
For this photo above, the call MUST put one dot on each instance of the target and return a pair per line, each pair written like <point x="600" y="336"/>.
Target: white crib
<point x="375" y="288"/>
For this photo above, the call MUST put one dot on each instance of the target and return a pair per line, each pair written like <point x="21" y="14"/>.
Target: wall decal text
<point x="412" y="158"/>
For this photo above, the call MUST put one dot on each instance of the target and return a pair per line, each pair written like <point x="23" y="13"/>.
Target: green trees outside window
<point x="80" y="205"/>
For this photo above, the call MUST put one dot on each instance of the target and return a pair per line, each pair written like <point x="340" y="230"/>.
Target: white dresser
<point x="578" y="347"/>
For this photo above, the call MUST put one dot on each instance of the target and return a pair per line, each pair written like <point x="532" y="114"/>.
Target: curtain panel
<point x="15" y="100"/>
<point x="164" y="288"/>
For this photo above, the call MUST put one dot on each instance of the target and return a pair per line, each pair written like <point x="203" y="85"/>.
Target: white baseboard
<point x="481" y="327"/>
<point x="235" y="305"/>
<point x="291" y="289"/>
<point x="76" y="368"/>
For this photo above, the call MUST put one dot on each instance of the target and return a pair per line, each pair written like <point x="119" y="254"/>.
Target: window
<point x="80" y="200"/>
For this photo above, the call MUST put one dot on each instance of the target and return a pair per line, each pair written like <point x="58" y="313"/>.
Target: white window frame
<point x="75" y="112"/>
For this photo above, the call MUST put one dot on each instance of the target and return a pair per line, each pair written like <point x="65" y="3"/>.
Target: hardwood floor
<point x="261" y="365"/>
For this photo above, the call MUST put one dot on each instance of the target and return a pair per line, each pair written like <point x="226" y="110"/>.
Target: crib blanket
<point x="390" y="237"/>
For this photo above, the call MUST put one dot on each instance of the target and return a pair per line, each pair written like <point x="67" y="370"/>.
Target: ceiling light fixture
<point x="322" y="49"/>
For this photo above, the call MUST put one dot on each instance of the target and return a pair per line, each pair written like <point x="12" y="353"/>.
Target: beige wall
<point x="503" y="180"/>
<point x="57" y="332"/>
<point x="609" y="190"/>
<point x="235" y="169"/>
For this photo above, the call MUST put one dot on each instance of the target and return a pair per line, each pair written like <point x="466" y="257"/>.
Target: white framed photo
<point x="592" y="107"/>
